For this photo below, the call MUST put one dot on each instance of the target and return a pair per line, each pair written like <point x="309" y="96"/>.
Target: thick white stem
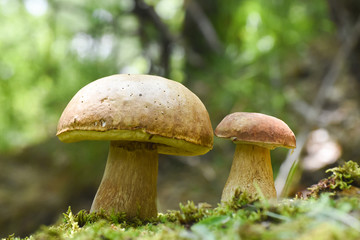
<point x="251" y="168"/>
<point x="129" y="181"/>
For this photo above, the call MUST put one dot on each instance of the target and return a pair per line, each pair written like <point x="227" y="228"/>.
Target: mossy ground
<point x="330" y="210"/>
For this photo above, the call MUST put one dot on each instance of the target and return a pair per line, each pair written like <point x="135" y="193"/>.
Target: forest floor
<point x="328" y="210"/>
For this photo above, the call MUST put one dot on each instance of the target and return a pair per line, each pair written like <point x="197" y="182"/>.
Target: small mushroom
<point x="254" y="134"/>
<point x="141" y="116"/>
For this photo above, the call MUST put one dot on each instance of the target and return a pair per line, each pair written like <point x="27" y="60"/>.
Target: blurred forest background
<point x="293" y="59"/>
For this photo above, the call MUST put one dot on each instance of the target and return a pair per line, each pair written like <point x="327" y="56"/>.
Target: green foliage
<point x="47" y="56"/>
<point x="260" y="39"/>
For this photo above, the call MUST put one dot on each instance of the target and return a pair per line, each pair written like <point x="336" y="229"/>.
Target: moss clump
<point x="238" y="201"/>
<point x="345" y="176"/>
<point x="342" y="178"/>
<point x="191" y="214"/>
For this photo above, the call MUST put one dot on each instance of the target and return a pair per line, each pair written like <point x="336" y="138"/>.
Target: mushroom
<point x="141" y="116"/>
<point x="254" y="134"/>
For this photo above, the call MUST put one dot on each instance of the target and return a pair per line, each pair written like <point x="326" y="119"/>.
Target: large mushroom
<point x="254" y="134"/>
<point x="141" y="116"/>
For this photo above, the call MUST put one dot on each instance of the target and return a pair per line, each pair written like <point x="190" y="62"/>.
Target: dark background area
<point x="292" y="59"/>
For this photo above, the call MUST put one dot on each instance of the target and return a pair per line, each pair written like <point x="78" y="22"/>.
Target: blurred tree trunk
<point x="199" y="32"/>
<point x="345" y="14"/>
<point x="147" y="15"/>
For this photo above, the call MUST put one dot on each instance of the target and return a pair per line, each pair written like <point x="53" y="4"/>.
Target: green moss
<point x="345" y="176"/>
<point x="320" y="217"/>
<point x="286" y="219"/>
<point x="238" y="201"/>
<point x="191" y="214"/>
<point x="342" y="178"/>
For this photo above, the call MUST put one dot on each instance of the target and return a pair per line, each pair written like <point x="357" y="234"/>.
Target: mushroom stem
<point x="129" y="181"/>
<point x="251" y="166"/>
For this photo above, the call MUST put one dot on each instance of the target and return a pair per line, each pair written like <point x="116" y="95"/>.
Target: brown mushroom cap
<point x="256" y="128"/>
<point x="140" y="108"/>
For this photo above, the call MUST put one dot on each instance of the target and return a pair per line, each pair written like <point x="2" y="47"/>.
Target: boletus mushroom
<point x="141" y="116"/>
<point x="254" y="134"/>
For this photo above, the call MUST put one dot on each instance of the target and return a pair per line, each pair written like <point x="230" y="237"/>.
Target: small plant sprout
<point x="254" y="134"/>
<point x="141" y="116"/>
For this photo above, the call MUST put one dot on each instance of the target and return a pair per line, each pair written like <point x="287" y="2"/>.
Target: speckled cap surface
<point x="141" y="108"/>
<point x="256" y="128"/>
